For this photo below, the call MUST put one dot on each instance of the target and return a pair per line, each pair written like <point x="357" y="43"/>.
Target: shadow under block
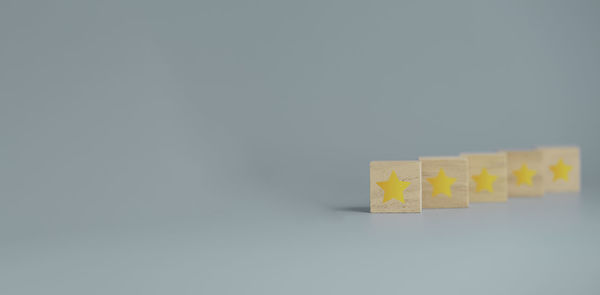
<point x="561" y="168"/>
<point x="395" y="186"/>
<point x="445" y="182"/>
<point x="524" y="173"/>
<point x="487" y="177"/>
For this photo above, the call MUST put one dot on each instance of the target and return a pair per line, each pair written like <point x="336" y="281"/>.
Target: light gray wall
<point x="120" y="116"/>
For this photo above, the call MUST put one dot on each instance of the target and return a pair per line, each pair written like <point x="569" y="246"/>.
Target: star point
<point x="561" y="170"/>
<point x="441" y="184"/>
<point x="485" y="181"/>
<point x="524" y="175"/>
<point x="393" y="188"/>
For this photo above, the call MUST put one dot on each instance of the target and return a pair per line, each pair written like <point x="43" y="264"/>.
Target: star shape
<point x="485" y="181"/>
<point x="561" y="170"/>
<point x="441" y="184"/>
<point x="524" y="175"/>
<point x="393" y="188"/>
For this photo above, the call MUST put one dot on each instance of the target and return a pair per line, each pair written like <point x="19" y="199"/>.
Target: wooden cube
<point x="445" y="182"/>
<point x="525" y="175"/>
<point x="487" y="177"/>
<point x="395" y="186"/>
<point x="561" y="169"/>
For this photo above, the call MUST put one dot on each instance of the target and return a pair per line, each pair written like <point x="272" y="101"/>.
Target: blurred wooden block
<point x="445" y="182"/>
<point x="487" y="177"/>
<point x="525" y="175"/>
<point x="561" y="169"/>
<point x="395" y="186"/>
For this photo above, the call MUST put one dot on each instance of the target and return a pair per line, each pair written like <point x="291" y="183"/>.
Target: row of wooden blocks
<point x="454" y="182"/>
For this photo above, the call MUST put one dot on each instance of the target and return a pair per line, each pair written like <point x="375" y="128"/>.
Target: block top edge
<point x="441" y="158"/>
<point x="521" y="151"/>
<point x="390" y="163"/>
<point x="557" y="147"/>
<point x="483" y="154"/>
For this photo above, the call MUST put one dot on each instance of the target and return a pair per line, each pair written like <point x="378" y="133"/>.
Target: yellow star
<point x="441" y="184"/>
<point x="524" y="175"/>
<point x="393" y="188"/>
<point x="485" y="181"/>
<point x="561" y="170"/>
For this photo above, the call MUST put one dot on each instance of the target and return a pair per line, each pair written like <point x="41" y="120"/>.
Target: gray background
<point x="202" y="147"/>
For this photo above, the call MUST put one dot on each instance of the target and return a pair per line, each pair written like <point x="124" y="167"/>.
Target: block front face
<point x="487" y="177"/>
<point x="525" y="175"/>
<point x="445" y="182"/>
<point x="395" y="186"/>
<point x="561" y="169"/>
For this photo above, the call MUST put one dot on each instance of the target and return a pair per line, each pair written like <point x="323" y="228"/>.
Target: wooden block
<point x="561" y="168"/>
<point x="487" y="177"/>
<point x="524" y="173"/>
<point x="395" y="186"/>
<point x="445" y="182"/>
